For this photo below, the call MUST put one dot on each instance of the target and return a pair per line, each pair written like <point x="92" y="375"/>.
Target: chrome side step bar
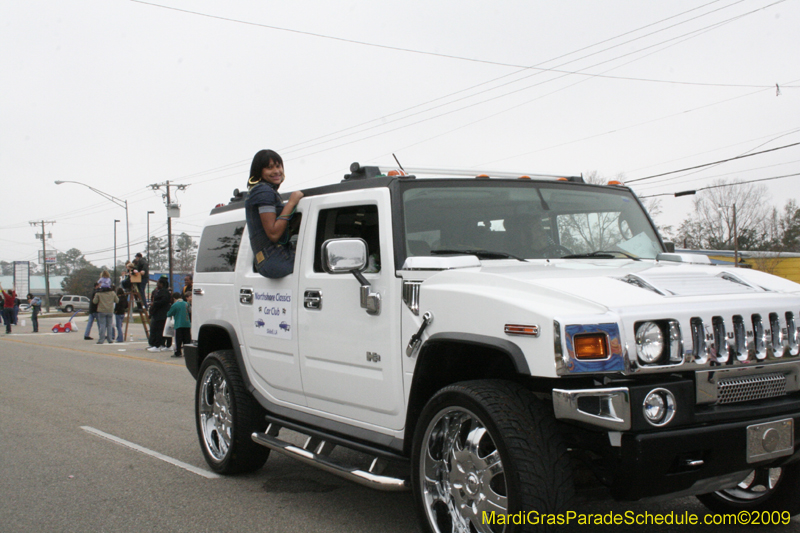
<point x="315" y="452"/>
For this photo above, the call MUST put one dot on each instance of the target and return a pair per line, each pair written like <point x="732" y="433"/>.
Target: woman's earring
<point x="252" y="181"/>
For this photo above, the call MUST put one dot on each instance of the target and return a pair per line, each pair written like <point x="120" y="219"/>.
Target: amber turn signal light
<point x="591" y="346"/>
<point x="521" y="329"/>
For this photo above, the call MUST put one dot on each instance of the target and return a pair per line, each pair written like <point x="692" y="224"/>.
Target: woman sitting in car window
<point x="267" y="217"/>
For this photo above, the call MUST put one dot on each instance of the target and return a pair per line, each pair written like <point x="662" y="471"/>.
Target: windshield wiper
<point x="602" y="254"/>
<point x="481" y="254"/>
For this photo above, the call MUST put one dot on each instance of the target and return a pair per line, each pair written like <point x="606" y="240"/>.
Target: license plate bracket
<point x="770" y="440"/>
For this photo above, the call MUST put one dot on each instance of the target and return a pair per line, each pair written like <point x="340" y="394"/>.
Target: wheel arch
<point x="212" y="336"/>
<point x="448" y="358"/>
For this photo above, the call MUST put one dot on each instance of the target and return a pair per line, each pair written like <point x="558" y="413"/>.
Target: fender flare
<point x="505" y="346"/>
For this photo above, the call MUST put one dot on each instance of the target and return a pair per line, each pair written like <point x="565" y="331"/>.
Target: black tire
<point x="765" y="489"/>
<point x="226" y="416"/>
<point x="488" y="446"/>
<point x="68" y="309"/>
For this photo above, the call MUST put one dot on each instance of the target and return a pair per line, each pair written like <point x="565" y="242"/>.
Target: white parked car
<point x="490" y="337"/>
<point x="72" y="302"/>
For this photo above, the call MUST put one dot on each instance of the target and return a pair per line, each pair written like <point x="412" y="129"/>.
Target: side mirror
<point x="670" y="246"/>
<point x="340" y="256"/>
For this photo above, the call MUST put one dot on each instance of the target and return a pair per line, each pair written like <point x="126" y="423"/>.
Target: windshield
<point x="535" y="221"/>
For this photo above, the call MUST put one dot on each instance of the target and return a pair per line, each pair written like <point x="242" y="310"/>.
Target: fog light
<point x="659" y="407"/>
<point x="649" y="342"/>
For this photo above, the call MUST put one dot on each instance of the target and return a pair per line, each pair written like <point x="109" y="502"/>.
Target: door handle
<point x="312" y="299"/>
<point x="246" y="296"/>
<point x="416" y="338"/>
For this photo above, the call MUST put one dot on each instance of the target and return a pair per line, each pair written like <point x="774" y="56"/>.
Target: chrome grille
<point x="747" y="388"/>
<point x="744" y="339"/>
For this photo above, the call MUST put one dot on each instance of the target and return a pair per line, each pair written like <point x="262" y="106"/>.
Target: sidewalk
<point x="75" y="341"/>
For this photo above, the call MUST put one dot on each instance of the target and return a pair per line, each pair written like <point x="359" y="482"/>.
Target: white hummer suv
<point x="425" y="327"/>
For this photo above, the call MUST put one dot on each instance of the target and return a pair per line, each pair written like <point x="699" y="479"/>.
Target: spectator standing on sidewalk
<point x="119" y="312"/>
<point x="159" y="306"/>
<point x="92" y="314"/>
<point x="8" y="307"/>
<point x="105" y="299"/>
<point x="36" y="308"/>
<point x="187" y="285"/>
<point x="183" y="327"/>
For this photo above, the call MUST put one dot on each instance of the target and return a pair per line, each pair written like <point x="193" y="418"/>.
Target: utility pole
<point x="44" y="261"/>
<point x="116" y="281"/>
<point x="170" y="209"/>
<point x="735" y="240"/>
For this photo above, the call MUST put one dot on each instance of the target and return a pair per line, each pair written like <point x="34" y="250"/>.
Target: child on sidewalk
<point x="183" y="326"/>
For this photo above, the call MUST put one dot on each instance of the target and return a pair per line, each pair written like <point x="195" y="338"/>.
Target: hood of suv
<point x="613" y="283"/>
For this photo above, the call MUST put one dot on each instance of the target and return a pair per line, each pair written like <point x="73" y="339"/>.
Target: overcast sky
<point x="122" y="94"/>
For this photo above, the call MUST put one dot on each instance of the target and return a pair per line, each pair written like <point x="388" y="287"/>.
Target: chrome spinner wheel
<point x="461" y="472"/>
<point x="226" y="416"/>
<point x="758" y="485"/>
<point x="214" y="413"/>
<point x="765" y="489"/>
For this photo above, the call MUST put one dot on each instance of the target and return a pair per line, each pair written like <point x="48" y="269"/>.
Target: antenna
<point x="398" y="163"/>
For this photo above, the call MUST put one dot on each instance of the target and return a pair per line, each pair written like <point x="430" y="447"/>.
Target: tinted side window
<point x="219" y="247"/>
<point x="353" y="221"/>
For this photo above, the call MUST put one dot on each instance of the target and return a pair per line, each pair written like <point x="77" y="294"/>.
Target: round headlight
<point x="659" y="407"/>
<point x="649" y="342"/>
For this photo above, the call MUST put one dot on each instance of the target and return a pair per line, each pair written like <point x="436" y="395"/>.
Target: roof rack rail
<point x="472" y="173"/>
<point x="365" y="172"/>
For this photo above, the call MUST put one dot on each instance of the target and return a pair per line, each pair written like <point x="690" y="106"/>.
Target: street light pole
<point x="121" y="203"/>
<point x="115" y="252"/>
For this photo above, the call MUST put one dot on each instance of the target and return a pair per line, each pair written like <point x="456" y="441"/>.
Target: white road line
<point x="199" y="471"/>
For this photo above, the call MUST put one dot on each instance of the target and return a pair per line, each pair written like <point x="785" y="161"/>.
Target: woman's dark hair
<point x="120" y="292"/>
<point x="262" y="160"/>
<point x="30" y="296"/>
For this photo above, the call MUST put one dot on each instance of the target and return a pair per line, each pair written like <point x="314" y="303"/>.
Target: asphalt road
<point x="102" y="438"/>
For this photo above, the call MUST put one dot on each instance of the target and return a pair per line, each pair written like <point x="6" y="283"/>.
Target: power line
<point x="772" y="137"/>
<point x="295" y="147"/>
<point x="714" y="162"/>
<point x="383" y="118"/>
<point x="435" y="54"/>
<point x="685" y="36"/>
<point x="689" y="178"/>
<point x="686" y="193"/>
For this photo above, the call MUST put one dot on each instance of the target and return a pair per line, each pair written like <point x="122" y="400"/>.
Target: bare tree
<point x="588" y="232"/>
<point x="710" y="226"/>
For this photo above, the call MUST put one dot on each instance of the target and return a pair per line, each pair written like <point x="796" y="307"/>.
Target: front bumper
<point x="688" y="461"/>
<point x="703" y="449"/>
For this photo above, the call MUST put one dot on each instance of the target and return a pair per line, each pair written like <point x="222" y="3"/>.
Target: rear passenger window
<point x="219" y="247"/>
<point x="353" y="221"/>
